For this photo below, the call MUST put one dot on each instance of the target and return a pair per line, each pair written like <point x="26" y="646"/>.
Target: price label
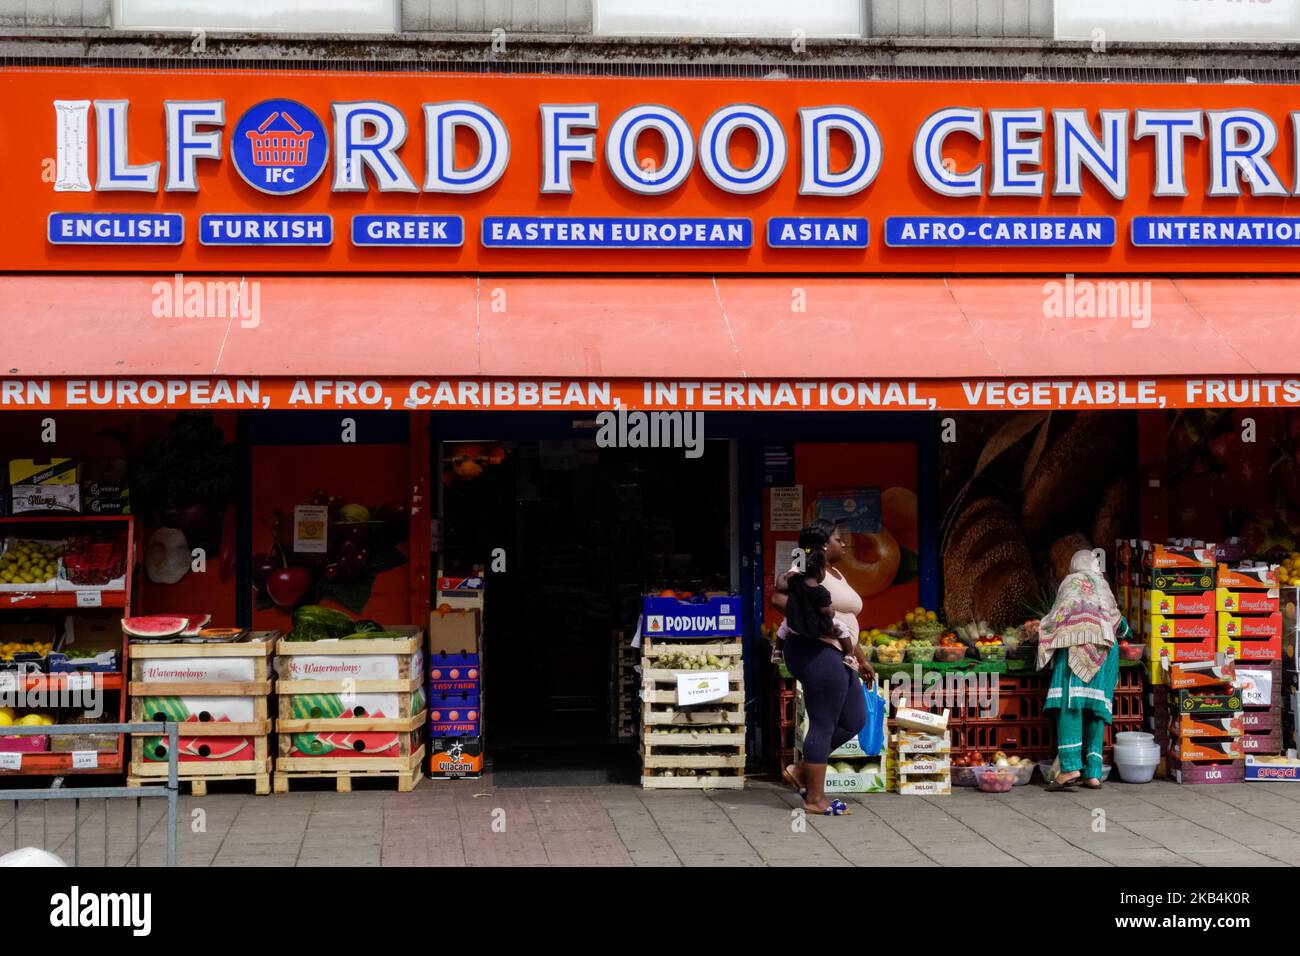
<point x="11" y="761"/>
<point x="90" y="599"/>
<point x="81" y="681"/>
<point x="84" y="760"/>
<point x="8" y="681"/>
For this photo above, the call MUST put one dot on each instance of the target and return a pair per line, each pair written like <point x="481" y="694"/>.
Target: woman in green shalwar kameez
<point x="1079" y="634"/>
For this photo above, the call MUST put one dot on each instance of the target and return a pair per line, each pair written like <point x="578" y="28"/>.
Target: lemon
<point x="931" y="616"/>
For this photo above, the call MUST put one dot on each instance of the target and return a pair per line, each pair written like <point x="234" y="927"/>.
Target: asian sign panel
<point x="334" y="172"/>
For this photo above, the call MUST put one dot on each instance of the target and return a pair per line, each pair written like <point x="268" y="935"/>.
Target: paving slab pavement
<point x="474" y="823"/>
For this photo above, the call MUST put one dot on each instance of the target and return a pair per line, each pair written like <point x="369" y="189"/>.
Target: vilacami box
<point x="455" y="758"/>
<point x="1273" y="769"/>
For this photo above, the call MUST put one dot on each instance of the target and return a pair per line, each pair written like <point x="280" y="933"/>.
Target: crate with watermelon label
<point x="351" y="699"/>
<point x="215" y="682"/>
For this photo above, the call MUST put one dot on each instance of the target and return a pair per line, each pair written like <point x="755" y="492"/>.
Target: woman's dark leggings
<point x="832" y="696"/>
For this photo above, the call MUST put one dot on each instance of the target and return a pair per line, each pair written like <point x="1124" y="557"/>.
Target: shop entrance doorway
<point x="578" y="535"/>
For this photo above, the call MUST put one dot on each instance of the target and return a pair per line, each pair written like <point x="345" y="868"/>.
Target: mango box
<point x="1164" y="556"/>
<point x="1219" y="705"/>
<point x="910" y="742"/>
<point x="933" y="787"/>
<point x="1196" y="604"/>
<point x="1252" y="578"/>
<point x="56" y="471"/>
<point x="456" y="758"/>
<point x="1273" y="769"/>
<point x="455" y="632"/>
<point x="1212" y="674"/>
<point x="1244" y="649"/>
<point x="1193" y="725"/>
<point x="924" y="765"/>
<point x="1246" y="602"/>
<point x="1191" y="750"/>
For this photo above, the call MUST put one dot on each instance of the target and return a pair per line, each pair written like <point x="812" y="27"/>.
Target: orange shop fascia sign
<point x="333" y="172"/>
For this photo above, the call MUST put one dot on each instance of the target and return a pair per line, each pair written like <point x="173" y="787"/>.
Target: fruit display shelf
<point x="90" y="600"/>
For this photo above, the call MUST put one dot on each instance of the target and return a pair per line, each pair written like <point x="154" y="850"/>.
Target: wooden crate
<point x="407" y="744"/>
<point x="700" y="758"/>
<point x="260" y="725"/>
<point x="199" y="785"/>
<point x="261" y="764"/>
<point x="343" y="770"/>
<point x="287" y="723"/>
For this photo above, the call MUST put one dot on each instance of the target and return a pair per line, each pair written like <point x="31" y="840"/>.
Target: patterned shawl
<point x="1083" y="619"/>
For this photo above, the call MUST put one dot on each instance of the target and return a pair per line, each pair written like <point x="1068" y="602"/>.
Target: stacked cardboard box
<point x="920" y="754"/>
<point x="456" y="694"/>
<point x="1177" y="599"/>
<point x="1290" y="601"/>
<point x="1206" y="722"/>
<point x="1250" y="628"/>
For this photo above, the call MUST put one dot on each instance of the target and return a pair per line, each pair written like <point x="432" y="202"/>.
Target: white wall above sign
<point x="729" y="18"/>
<point x="1178" y="20"/>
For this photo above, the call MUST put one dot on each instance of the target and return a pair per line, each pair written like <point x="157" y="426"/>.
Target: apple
<point x="288" y="586"/>
<point x="263" y="565"/>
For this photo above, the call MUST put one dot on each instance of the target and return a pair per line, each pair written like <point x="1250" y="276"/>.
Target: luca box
<point x="712" y="616"/>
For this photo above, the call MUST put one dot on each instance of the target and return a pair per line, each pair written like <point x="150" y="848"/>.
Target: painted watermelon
<point x="195" y="624"/>
<point x="154" y="627"/>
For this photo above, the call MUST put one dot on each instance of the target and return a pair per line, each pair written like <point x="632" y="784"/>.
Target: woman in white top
<point x="832" y="691"/>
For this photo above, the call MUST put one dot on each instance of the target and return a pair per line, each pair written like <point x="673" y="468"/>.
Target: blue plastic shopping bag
<point x="871" y="738"/>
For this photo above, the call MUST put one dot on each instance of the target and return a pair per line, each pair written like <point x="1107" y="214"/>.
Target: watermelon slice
<point x="196" y="623"/>
<point x="154" y="627"/>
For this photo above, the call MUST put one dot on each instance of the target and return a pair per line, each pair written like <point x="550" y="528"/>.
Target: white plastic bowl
<point x="1130" y="737"/>
<point x="1137" y="762"/>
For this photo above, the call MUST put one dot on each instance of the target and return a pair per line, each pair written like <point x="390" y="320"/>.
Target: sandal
<point x="838" y="808"/>
<point x="792" y="780"/>
<point x="1088" y="786"/>
<point x="1062" y="786"/>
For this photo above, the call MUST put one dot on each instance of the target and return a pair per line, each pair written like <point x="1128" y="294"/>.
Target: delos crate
<point x="697" y="746"/>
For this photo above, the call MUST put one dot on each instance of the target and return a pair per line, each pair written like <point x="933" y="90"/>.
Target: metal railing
<point x="77" y="794"/>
